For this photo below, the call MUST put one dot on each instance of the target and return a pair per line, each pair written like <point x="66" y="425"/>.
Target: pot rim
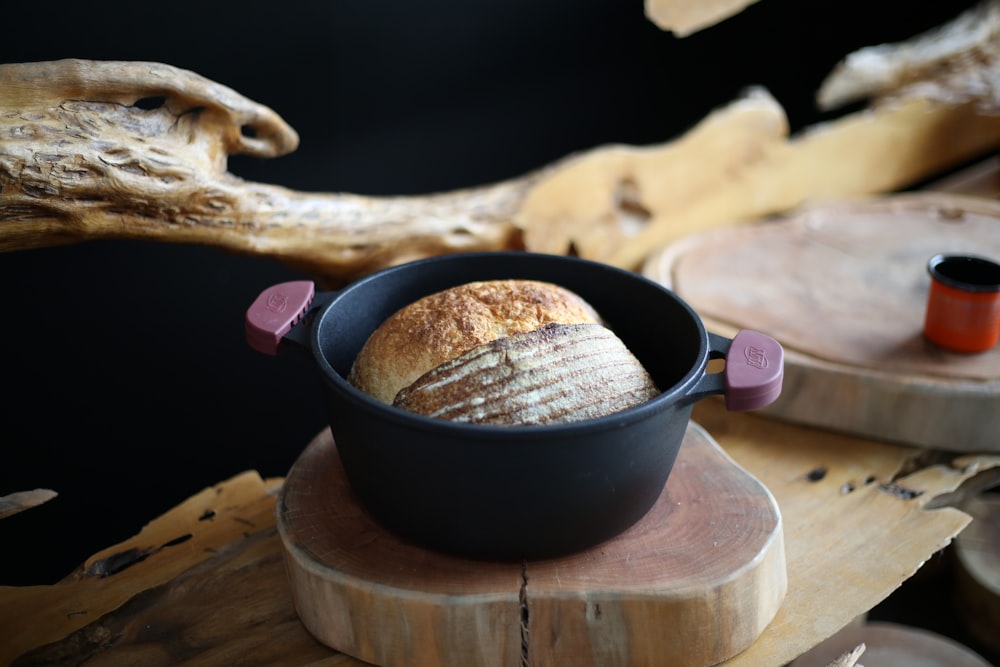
<point x="678" y="393"/>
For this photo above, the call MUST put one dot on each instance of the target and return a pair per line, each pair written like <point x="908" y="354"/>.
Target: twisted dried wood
<point x="683" y="17"/>
<point x="136" y="150"/>
<point x="849" y="658"/>
<point x="12" y="503"/>
<point x="956" y="62"/>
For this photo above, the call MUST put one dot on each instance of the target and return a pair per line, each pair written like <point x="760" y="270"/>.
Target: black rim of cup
<point x="966" y="272"/>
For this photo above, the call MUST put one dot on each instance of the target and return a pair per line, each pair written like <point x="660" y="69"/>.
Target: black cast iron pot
<point x="512" y="492"/>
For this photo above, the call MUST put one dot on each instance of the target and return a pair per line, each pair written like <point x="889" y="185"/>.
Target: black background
<point x="128" y="385"/>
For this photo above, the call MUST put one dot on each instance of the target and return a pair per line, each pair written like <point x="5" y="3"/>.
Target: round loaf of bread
<point x="559" y="373"/>
<point x="445" y="325"/>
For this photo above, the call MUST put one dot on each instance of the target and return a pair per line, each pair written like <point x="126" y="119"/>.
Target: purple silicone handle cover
<point x="754" y="369"/>
<point x="275" y="311"/>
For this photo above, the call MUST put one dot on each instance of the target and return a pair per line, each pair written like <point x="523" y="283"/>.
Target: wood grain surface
<point x="977" y="581"/>
<point x="205" y="582"/>
<point x="139" y="150"/>
<point x="843" y="286"/>
<point x="692" y="583"/>
<point x="893" y="645"/>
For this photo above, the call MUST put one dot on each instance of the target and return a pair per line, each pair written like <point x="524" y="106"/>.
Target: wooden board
<point x="205" y="583"/>
<point x="977" y="580"/>
<point x="843" y="287"/>
<point x="892" y="645"/>
<point x="692" y="583"/>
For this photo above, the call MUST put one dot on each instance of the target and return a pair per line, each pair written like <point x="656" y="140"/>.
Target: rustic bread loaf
<point x="510" y="352"/>
<point x="442" y="326"/>
<point x="559" y="373"/>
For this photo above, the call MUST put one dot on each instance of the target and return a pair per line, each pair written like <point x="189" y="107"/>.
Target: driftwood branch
<point x="683" y="17"/>
<point x="956" y="62"/>
<point x="139" y="150"/>
<point x="19" y="501"/>
<point x="850" y="658"/>
<point x="136" y="150"/>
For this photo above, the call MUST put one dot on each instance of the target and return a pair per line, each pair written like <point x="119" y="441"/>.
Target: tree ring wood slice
<point x="693" y="583"/>
<point x="892" y="645"/>
<point x="977" y="585"/>
<point x="843" y="287"/>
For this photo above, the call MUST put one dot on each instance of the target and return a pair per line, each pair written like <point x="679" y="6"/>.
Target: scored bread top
<point x="559" y="373"/>
<point x="444" y="325"/>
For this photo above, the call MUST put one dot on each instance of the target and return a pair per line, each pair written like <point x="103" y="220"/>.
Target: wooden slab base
<point x="843" y="286"/>
<point x="205" y="583"/>
<point x="891" y="645"/>
<point x="693" y="583"/>
<point x="977" y="581"/>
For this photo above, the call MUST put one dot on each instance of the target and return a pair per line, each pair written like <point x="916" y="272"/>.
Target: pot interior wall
<point x="657" y="327"/>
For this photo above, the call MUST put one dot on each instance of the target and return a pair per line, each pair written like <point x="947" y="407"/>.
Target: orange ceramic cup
<point x="963" y="304"/>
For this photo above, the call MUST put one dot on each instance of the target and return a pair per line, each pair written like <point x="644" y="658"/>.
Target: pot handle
<point x="754" y="369"/>
<point x="276" y="310"/>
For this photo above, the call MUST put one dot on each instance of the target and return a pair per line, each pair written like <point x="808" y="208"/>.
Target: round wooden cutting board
<point x="843" y="287"/>
<point x="892" y="645"/>
<point x="977" y="580"/>
<point x="693" y="583"/>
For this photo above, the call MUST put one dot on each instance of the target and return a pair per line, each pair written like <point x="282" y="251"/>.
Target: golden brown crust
<point x="442" y="326"/>
<point x="559" y="373"/>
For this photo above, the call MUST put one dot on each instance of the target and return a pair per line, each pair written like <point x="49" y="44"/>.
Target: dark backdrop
<point x="127" y="382"/>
